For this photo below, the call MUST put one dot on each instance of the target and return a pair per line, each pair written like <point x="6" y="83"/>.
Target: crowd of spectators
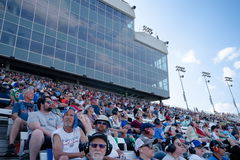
<point x="41" y="105"/>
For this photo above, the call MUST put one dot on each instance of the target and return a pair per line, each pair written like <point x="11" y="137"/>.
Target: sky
<point x="204" y="36"/>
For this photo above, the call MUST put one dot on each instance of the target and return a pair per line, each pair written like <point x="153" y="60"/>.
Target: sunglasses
<point x="49" y="102"/>
<point x="103" y="123"/>
<point x="180" y="144"/>
<point x="94" y="145"/>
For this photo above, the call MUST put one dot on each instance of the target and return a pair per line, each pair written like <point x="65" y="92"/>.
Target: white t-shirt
<point x="169" y="157"/>
<point x="70" y="141"/>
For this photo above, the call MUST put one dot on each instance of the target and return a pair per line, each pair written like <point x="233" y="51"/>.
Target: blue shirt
<point x="22" y="108"/>
<point x="159" y="134"/>
<point x="215" y="158"/>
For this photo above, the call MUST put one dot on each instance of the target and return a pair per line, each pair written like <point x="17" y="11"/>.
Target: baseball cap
<point x="215" y="143"/>
<point x="143" y="141"/>
<point x="197" y="143"/>
<point x="146" y="125"/>
<point x="98" y="135"/>
<point x="103" y="118"/>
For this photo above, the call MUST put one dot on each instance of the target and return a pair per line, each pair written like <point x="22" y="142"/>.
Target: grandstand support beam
<point x="206" y="74"/>
<point x="228" y="81"/>
<point x="182" y="69"/>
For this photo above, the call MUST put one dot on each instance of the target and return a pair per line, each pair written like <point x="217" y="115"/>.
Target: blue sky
<point x="203" y="35"/>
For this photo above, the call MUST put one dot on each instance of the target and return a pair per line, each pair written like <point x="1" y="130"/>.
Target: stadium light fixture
<point x="182" y="70"/>
<point x="206" y="74"/>
<point x="229" y="84"/>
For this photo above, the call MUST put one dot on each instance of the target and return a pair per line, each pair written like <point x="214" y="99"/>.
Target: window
<point x="60" y="54"/>
<point x="49" y="40"/>
<point x="10" y="27"/>
<point x="61" y="44"/>
<point x="24" y="32"/>
<point x="37" y="36"/>
<point x="36" y="47"/>
<point x="8" y="38"/>
<point x="47" y="50"/>
<point x="27" y="10"/>
<point x="70" y="57"/>
<point x="13" y="7"/>
<point x="22" y="43"/>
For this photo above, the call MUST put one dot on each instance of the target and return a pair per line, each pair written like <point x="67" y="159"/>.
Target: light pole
<point x="182" y="69"/>
<point x="229" y="79"/>
<point x="206" y="74"/>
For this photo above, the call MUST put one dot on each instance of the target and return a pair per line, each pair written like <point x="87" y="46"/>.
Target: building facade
<point x="91" y="38"/>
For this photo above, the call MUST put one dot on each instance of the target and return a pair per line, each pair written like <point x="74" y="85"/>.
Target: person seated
<point x="20" y="114"/>
<point x="98" y="147"/>
<point x="196" y="150"/>
<point x="65" y="140"/>
<point x="116" y="124"/>
<point x="175" y="149"/>
<point x="41" y="126"/>
<point x="147" y="132"/>
<point x="218" y="149"/>
<point x="144" y="149"/>
<point x="102" y="125"/>
<point x="192" y="133"/>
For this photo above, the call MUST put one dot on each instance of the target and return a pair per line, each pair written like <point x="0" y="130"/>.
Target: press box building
<point x="89" y="41"/>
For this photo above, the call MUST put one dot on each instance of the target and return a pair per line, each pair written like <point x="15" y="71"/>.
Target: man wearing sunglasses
<point x="41" y="125"/>
<point x="98" y="147"/>
<point x="102" y="125"/>
<point x="218" y="149"/>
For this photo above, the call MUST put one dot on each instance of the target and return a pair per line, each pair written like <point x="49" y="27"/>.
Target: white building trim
<point x="151" y="41"/>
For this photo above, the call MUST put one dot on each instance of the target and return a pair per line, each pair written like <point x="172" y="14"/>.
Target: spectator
<point x="147" y="130"/>
<point x="95" y="105"/>
<point x="98" y="147"/>
<point x="89" y="112"/>
<point x="174" y="150"/>
<point x="196" y="150"/>
<point x="186" y="122"/>
<point x="218" y="149"/>
<point x="102" y="125"/>
<point x="67" y="138"/>
<point x="144" y="149"/>
<point x="20" y="115"/>
<point x="159" y="133"/>
<point x="41" y="124"/>
<point x="84" y="123"/>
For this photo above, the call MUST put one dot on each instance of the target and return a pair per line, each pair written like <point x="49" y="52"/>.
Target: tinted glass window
<point x="8" y="38"/>
<point x="49" y="51"/>
<point x="24" y="32"/>
<point x="49" y="40"/>
<point x="10" y="27"/>
<point x="60" y="54"/>
<point x="22" y="43"/>
<point x="37" y="36"/>
<point x="36" y="47"/>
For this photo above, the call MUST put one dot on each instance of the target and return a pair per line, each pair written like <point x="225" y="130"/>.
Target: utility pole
<point x="206" y="74"/>
<point x="229" y="79"/>
<point x="182" y="70"/>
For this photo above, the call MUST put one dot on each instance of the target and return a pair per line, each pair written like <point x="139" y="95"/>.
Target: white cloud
<point x="190" y="57"/>
<point x="224" y="53"/>
<point x="233" y="56"/>
<point x="227" y="72"/>
<point x="237" y="65"/>
<point x="225" y="107"/>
